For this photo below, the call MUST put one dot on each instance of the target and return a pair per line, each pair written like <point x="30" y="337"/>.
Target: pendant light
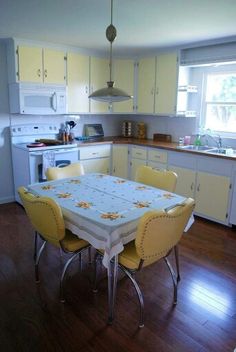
<point x="110" y="93"/>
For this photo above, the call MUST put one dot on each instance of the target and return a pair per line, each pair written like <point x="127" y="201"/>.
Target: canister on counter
<point x="141" y="130"/>
<point x="127" y="129"/>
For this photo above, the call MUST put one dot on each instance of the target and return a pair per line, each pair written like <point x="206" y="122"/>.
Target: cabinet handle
<point x="192" y="185"/>
<point x="152" y="91"/>
<point x="45" y="73"/>
<point x="198" y="187"/>
<point x="94" y="153"/>
<point x="39" y="72"/>
<point x="86" y="89"/>
<point x="157" y="91"/>
<point x="114" y="170"/>
<point x="157" y="156"/>
<point x="138" y="153"/>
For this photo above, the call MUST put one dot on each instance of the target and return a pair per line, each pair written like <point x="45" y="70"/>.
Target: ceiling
<point x="143" y="26"/>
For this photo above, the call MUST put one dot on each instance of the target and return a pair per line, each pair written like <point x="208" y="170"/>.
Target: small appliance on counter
<point x="141" y="130"/>
<point x="127" y="129"/>
<point x="93" y="131"/>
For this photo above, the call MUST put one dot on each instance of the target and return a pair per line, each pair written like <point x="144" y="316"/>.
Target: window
<point x="219" y="102"/>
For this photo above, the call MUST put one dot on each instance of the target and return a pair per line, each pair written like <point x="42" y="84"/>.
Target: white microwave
<point x="37" y="99"/>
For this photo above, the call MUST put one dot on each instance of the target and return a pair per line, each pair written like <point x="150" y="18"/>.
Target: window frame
<point x="214" y="70"/>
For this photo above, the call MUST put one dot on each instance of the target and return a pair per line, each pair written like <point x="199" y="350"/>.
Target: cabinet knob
<point x="192" y="185"/>
<point x="39" y="72"/>
<point x="45" y="73"/>
<point x="198" y="187"/>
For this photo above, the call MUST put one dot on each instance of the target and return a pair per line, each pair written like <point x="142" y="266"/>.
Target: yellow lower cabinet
<point x="185" y="182"/>
<point x="97" y="165"/>
<point x="212" y="194"/>
<point x="120" y="161"/>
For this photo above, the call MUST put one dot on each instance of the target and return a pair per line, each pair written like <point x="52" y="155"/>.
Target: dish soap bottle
<point x="197" y="141"/>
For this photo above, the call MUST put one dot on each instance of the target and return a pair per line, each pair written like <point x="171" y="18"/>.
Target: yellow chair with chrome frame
<point x="47" y="220"/>
<point x="163" y="179"/>
<point x="158" y="233"/>
<point x="71" y="170"/>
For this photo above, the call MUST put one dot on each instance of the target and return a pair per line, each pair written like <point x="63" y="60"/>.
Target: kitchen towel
<point x="48" y="161"/>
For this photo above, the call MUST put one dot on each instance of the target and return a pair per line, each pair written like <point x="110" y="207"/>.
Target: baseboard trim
<point x="4" y="200"/>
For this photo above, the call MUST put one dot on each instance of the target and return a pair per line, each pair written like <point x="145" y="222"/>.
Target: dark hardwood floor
<point x="33" y="319"/>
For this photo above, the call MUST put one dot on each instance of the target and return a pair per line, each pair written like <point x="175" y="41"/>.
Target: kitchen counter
<point x="151" y="143"/>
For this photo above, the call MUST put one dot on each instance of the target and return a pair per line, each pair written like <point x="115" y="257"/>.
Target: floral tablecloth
<point x="103" y="209"/>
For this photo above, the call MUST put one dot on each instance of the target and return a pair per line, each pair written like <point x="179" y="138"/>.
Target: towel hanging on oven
<point x="48" y="161"/>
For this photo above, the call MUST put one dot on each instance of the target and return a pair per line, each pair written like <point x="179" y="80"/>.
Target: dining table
<point x="105" y="211"/>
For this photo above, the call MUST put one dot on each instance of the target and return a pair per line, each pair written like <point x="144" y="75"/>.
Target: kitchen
<point x="112" y="123"/>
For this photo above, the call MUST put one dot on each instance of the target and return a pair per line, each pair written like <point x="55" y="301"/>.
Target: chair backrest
<point x="159" y="231"/>
<point x="163" y="179"/>
<point x="45" y="215"/>
<point x="56" y="173"/>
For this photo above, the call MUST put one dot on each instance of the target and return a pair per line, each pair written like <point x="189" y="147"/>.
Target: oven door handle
<point x="62" y="151"/>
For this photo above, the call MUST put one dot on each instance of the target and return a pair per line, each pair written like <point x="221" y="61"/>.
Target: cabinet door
<point x="78" y="82"/>
<point x="99" y="75"/>
<point x="120" y="161"/>
<point x="124" y="79"/>
<point x="30" y="67"/>
<point x="166" y="84"/>
<point x="97" y="165"/>
<point x="146" y="85"/>
<point x="212" y="194"/>
<point x="185" y="185"/>
<point x="134" y="164"/>
<point x="54" y="66"/>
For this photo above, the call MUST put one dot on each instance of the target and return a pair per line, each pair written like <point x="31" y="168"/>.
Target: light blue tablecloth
<point x="104" y="210"/>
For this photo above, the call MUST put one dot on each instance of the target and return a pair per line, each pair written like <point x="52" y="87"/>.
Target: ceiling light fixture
<point x="110" y="93"/>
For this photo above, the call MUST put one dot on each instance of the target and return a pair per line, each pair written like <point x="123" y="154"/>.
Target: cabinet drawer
<point x="139" y="153"/>
<point x="157" y="155"/>
<point x="93" y="152"/>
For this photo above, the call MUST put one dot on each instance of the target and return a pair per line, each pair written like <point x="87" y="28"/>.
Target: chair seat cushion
<point x="130" y="259"/>
<point x="73" y="243"/>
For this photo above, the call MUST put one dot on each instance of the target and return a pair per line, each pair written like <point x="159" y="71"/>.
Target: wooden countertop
<point x="151" y="143"/>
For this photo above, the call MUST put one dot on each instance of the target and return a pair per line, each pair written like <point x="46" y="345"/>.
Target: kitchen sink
<point x="224" y="151"/>
<point x="206" y="149"/>
<point x="200" y="148"/>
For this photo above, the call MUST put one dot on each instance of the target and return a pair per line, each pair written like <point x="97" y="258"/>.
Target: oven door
<point x="62" y="157"/>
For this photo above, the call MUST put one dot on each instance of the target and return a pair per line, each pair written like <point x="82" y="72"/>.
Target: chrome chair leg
<point x="173" y="275"/>
<point x="96" y="259"/>
<point x="90" y="255"/>
<point x="176" y="250"/>
<point x="36" y="264"/>
<point x="69" y="261"/>
<point x="139" y="293"/>
<point x="35" y="244"/>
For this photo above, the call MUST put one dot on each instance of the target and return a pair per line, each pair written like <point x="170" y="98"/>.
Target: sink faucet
<point x="219" y="142"/>
<point x="217" y="139"/>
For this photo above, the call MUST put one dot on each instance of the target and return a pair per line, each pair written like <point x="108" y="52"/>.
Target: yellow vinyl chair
<point x="157" y="235"/>
<point x="163" y="179"/>
<point x="72" y="170"/>
<point x="47" y="220"/>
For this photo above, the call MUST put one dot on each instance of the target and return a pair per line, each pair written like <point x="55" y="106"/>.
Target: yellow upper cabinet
<point x="146" y="85"/>
<point x="123" y="75"/>
<point x="166" y="84"/>
<point x="54" y="66"/>
<point x="41" y="65"/>
<point x="99" y="75"/>
<point x="30" y="67"/>
<point x="78" y="82"/>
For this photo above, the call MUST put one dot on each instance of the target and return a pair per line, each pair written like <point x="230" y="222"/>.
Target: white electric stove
<point x="30" y="159"/>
